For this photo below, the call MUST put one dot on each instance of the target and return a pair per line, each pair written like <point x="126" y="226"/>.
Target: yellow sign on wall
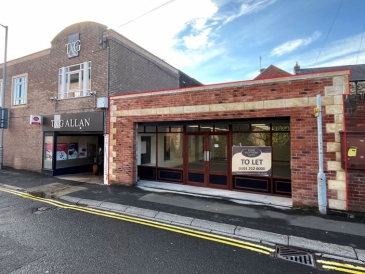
<point x="352" y="152"/>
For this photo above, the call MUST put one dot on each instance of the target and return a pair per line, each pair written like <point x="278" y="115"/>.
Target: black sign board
<point x="85" y="121"/>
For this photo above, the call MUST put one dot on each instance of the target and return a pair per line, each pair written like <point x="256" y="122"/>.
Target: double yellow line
<point x="186" y="231"/>
<point x="347" y="268"/>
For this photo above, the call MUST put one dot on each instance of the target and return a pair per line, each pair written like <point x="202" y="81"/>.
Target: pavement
<point x="267" y="220"/>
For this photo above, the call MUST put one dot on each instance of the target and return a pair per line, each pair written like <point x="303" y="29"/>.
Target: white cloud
<point x="248" y="6"/>
<point x="336" y="53"/>
<point x="158" y="31"/>
<point x="199" y="23"/>
<point x="198" y="41"/>
<point x="294" y="44"/>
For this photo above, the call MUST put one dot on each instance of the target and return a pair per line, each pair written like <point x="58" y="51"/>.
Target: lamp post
<point x="2" y="105"/>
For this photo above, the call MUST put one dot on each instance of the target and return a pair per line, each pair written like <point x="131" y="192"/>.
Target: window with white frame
<point x="74" y="81"/>
<point x="19" y="90"/>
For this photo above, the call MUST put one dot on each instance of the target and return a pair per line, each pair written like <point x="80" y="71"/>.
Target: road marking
<point x="347" y="268"/>
<point x="186" y="231"/>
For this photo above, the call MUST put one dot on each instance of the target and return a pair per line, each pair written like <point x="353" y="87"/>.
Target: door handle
<point x="205" y="156"/>
<point x="208" y="156"/>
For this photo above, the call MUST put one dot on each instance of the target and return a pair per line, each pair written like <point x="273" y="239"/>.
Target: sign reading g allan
<point x="253" y="160"/>
<point x="85" y="121"/>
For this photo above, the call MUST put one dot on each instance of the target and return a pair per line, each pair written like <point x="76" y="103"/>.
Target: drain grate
<point x="295" y="255"/>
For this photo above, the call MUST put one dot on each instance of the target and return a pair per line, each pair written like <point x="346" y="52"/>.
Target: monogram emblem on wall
<point x="73" y="46"/>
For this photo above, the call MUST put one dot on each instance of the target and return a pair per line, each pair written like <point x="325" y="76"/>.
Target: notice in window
<point x="73" y="151"/>
<point x="61" y="152"/>
<point x="83" y="150"/>
<point x="251" y="160"/>
<point x="49" y="150"/>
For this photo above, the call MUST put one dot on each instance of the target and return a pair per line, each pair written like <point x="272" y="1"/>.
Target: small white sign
<point x="35" y="119"/>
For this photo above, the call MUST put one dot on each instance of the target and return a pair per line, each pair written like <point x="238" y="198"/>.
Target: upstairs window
<point x="74" y="81"/>
<point x="19" y="90"/>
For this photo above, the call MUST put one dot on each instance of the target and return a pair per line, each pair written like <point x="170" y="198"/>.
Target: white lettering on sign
<point x="73" y="48"/>
<point x="71" y="123"/>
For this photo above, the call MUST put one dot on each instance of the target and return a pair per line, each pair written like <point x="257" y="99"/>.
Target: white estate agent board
<point x="251" y="160"/>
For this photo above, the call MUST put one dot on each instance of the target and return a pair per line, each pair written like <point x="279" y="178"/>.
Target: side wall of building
<point x="293" y="97"/>
<point x="133" y="71"/>
<point x="356" y="177"/>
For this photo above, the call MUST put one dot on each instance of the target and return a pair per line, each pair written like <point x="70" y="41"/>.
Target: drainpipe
<point x="321" y="178"/>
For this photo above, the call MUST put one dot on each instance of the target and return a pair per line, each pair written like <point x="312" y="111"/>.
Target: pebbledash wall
<point x="293" y="96"/>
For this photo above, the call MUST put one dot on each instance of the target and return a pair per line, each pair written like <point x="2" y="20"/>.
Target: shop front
<point x="202" y="154"/>
<point x="255" y="136"/>
<point x="71" y="142"/>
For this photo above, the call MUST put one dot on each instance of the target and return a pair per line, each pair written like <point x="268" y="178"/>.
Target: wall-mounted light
<point x="53" y="98"/>
<point x="92" y="92"/>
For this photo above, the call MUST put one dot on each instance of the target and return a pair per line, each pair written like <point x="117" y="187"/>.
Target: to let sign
<point x="251" y="160"/>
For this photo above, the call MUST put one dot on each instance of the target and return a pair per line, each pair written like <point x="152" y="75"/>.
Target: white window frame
<point x="83" y="71"/>
<point x="19" y="99"/>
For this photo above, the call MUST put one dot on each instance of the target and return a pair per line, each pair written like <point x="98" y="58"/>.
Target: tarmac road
<point x="36" y="237"/>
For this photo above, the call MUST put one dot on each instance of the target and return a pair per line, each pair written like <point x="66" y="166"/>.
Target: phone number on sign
<point x="251" y="168"/>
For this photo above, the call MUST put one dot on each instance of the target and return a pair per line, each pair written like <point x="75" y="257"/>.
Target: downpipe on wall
<point x="321" y="177"/>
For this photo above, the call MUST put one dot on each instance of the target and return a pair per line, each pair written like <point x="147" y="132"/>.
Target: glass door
<point x="207" y="159"/>
<point x="218" y="161"/>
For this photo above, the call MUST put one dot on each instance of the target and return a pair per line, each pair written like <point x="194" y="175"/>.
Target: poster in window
<point x="61" y="152"/>
<point x="83" y="150"/>
<point x="49" y="151"/>
<point x="73" y="151"/>
<point x="91" y="149"/>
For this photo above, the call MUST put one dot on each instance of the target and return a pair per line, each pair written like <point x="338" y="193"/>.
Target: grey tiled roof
<point x="357" y="71"/>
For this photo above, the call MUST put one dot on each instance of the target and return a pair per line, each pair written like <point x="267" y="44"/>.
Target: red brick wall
<point x="304" y="147"/>
<point x="356" y="178"/>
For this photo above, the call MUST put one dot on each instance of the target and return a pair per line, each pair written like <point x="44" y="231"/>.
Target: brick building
<point x="353" y="135"/>
<point x="254" y="136"/>
<point x="57" y="98"/>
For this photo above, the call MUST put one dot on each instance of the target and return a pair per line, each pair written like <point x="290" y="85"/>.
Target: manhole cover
<point x="295" y="255"/>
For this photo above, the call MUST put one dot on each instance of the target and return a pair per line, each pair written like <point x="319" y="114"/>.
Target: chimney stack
<point x="296" y="68"/>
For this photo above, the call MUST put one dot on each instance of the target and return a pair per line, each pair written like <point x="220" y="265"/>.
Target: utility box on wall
<point x="355" y="150"/>
<point x="102" y="102"/>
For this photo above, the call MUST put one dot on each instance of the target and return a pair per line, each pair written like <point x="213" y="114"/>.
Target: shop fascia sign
<point x="57" y="123"/>
<point x="73" y="46"/>
<point x="90" y="121"/>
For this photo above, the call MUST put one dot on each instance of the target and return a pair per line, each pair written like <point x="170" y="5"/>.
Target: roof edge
<point x="235" y="84"/>
<point x="27" y="57"/>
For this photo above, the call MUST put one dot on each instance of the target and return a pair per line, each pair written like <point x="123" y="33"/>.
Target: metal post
<point x="321" y="178"/>
<point x="2" y="105"/>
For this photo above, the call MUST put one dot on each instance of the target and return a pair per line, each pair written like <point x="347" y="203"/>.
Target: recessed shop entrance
<point x="207" y="159"/>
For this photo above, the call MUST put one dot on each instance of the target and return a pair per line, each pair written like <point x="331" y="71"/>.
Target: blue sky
<point x="211" y="40"/>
